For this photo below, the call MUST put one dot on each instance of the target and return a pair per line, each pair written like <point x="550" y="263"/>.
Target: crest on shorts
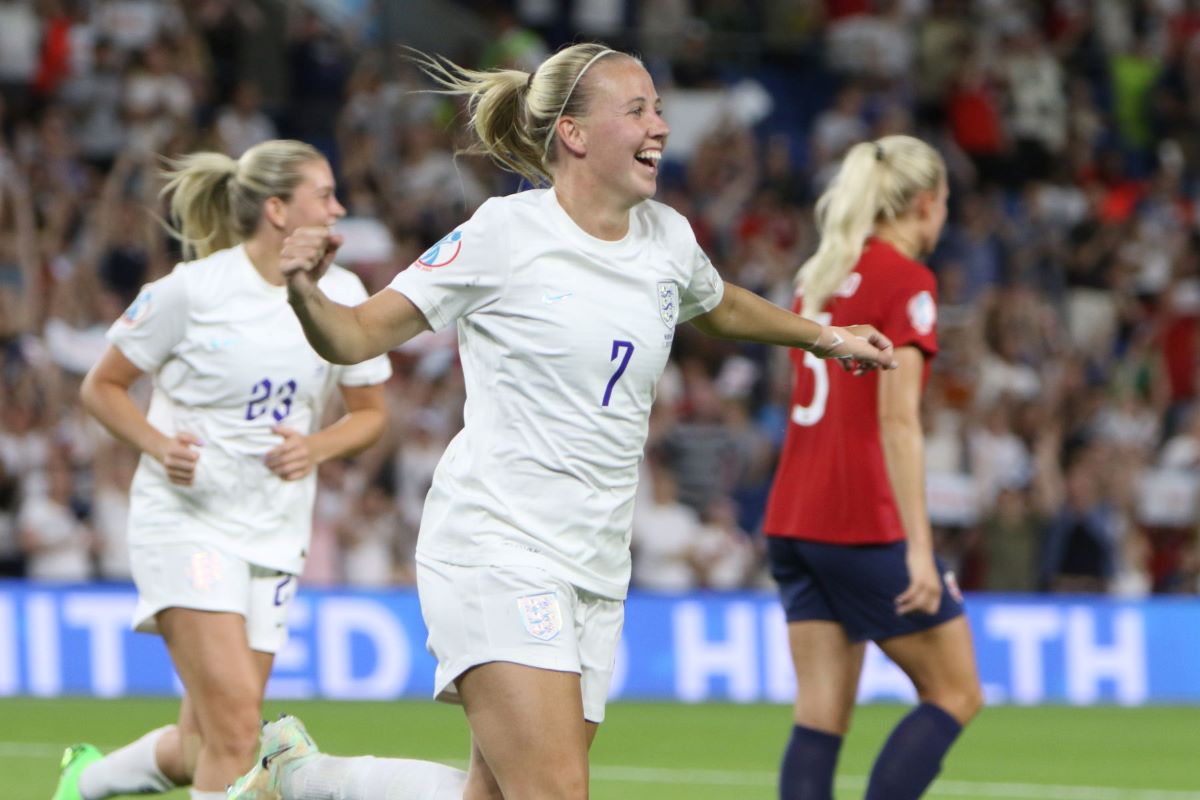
<point x="204" y="570"/>
<point x="668" y="302"/>
<point x="541" y="615"/>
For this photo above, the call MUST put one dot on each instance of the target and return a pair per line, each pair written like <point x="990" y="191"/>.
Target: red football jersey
<point x="832" y="484"/>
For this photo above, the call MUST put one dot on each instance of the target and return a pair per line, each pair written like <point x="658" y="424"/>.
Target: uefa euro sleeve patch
<point x="137" y="309"/>
<point x="541" y="615"/>
<point x="922" y="312"/>
<point x="442" y="253"/>
<point x="850" y="285"/>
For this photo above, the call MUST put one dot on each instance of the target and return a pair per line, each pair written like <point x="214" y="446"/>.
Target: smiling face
<point x="313" y="201"/>
<point x="620" y="140"/>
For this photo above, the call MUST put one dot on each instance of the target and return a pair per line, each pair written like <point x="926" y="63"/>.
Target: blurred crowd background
<point x="1062" y="425"/>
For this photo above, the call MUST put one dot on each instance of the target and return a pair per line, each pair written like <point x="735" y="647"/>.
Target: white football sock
<point x="133" y="769"/>
<point x="369" y="778"/>
<point x="196" y="794"/>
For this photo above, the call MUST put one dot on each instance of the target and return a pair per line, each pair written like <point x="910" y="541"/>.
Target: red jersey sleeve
<point x="908" y="310"/>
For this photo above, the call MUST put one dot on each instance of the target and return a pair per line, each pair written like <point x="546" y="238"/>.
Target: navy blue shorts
<point x="855" y="585"/>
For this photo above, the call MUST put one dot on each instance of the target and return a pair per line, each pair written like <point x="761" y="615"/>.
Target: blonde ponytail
<point x="514" y="113"/>
<point x="200" y="208"/>
<point x="217" y="202"/>
<point x="876" y="181"/>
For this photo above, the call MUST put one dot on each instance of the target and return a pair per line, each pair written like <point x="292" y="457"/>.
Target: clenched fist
<point x="309" y="252"/>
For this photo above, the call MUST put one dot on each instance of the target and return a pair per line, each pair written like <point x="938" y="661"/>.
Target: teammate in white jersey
<point x="221" y="504"/>
<point x="566" y="300"/>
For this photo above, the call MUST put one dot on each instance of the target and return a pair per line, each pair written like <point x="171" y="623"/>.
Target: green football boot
<point x="285" y="746"/>
<point x="74" y="759"/>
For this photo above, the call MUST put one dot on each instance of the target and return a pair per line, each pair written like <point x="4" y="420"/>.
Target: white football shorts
<point x="202" y="577"/>
<point x="519" y="614"/>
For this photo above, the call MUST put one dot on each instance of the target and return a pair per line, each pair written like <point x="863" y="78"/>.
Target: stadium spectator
<point x="114" y="468"/>
<point x="242" y="124"/>
<point x="1010" y="536"/>
<point x="20" y="42"/>
<point x="12" y="561"/>
<point x="134" y="25"/>
<point x="1037" y="113"/>
<point x="338" y="486"/>
<point x="318" y="66"/>
<point x="1084" y="534"/>
<point x="157" y="99"/>
<point x="839" y="126"/>
<point x="93" y="96"/>
<point x="726" y="557"/>
<point x="369" y="539"/>
<point x="56" y="545"/>
<point x="666" y="536"/>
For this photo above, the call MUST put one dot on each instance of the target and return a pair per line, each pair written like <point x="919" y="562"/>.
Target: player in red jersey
<point x="848" y="535"/>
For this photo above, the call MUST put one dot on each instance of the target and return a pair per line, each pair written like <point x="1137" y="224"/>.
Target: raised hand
<point x="308" y="252"/>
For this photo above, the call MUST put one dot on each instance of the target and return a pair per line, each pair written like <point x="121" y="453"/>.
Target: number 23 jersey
<point x="230" y="362"/>
<point x="831" y="484"/>
<point x="563" y="338"/>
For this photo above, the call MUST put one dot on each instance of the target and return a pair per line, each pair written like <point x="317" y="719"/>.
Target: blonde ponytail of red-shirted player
<point x="877" y="181"/>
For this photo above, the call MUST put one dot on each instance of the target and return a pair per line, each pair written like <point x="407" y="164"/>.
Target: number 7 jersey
<point x="562" y="338"/>
<point x="831" y="484"/>
<point x="230" y="362"/>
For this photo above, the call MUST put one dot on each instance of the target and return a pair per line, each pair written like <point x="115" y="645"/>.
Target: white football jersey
<point x="230" y="361"/>
<point x="563" y="338"/>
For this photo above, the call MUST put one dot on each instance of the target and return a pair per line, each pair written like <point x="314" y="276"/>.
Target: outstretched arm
<point x="342" y="334"/>
<point x="741" y="314"/>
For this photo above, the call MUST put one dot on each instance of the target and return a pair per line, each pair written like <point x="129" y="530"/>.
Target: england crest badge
<point x="668" y="302"/>
<point x="541" y="615"/>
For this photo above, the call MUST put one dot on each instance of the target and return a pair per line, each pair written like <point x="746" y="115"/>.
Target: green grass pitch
<point x="654" y="751"/>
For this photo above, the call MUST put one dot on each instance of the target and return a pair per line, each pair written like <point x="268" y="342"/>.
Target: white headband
<point x="567" y="99"/>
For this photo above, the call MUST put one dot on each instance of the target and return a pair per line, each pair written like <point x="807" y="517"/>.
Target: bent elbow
<point x="89" y="393"/>
<point x="339" y="353"/>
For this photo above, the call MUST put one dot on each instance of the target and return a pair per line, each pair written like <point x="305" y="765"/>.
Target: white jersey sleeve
<point x="463" y="272"/>
<point x="155" y="322"/>
<point x="705" y="289"/>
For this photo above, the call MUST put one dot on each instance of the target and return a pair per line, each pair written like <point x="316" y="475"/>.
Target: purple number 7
<point x="618" y="346"/>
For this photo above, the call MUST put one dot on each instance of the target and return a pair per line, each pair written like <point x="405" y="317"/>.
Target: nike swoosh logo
<point x="267" y="759"/>
<point x="556" y="298"/>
